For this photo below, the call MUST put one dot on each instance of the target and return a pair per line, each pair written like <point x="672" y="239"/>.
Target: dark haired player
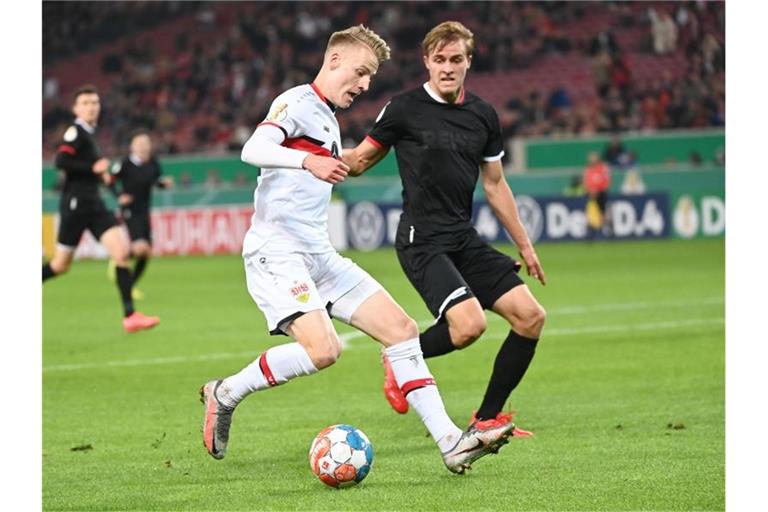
<point x="444" y="138"/>
<point x="81" y="206"/>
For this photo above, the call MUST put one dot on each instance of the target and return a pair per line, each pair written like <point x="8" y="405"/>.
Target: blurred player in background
<point x="81" y="206"/>
<point x="134" y="179"/>
<point x="444" y="137"/>
<point x="597" y="181"/>
<point x="298" y="279"/>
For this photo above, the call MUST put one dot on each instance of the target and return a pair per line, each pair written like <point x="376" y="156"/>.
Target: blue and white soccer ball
<point x="341" y="456"/>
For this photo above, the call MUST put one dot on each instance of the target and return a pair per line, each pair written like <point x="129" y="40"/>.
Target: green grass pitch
<point x="625" y="394"/>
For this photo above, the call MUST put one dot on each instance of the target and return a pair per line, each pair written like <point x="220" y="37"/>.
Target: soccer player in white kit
<point x="298" y="279"/>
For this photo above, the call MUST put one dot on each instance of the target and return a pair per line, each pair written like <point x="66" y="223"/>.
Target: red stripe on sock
<point x="416" y="384"/>
<point x="266" y="371"/>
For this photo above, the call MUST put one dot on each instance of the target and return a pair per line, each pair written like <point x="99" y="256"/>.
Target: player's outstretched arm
<point x="504" y="206"/>
<point x="363" y="157"/>
<point x="264" y="150"/>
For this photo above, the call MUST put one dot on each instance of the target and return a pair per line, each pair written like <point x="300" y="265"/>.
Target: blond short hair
<point x="448" y="32"/>
<point x="361" y="35"/>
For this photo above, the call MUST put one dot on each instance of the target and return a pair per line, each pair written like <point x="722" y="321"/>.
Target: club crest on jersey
<point x="300" y="292"/>
<point x="70" y="134"/>
<point x="279" y="113"/>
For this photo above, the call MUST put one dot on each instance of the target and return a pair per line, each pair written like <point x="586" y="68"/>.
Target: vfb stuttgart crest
<point x="300" y="292"/>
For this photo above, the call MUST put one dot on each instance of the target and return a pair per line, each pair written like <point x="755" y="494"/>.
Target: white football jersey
<point x="291" y="205"/>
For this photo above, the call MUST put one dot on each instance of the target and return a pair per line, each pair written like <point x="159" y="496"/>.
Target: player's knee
<point x="121" y="255"/>
<point x="533" y="322"/>
<point x="466" y="332"/>
<point x="60" y="267"/>
<point x="325" y="355"/>
<point x="403" y="328"/>
<point x="141" y="251"/>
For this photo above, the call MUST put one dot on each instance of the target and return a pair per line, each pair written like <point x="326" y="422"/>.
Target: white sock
<point x="276" y="366"/>
<point x="418" y="385"/>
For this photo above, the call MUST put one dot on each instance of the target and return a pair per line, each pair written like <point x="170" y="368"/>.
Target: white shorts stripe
<point x="493" y="158"/>
<point x="455" y="294"/>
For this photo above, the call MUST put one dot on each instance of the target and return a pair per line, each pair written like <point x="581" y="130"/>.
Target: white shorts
<point x="285" y="285"/>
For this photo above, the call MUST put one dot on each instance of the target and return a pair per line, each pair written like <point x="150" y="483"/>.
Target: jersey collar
<point x="439" y="99"/>
<point x="90" y="129"/>
<point x="135" y="160"/>
<point x="322" y="97"/>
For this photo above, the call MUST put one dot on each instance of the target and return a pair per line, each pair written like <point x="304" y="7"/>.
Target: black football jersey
<point x="75" y="155"/>
<point x="439" y="148"/>
<point x="138" y="181"/>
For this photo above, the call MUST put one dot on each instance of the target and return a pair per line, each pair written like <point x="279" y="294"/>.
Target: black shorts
<point x="78" y="214"/>
<point x="445" y="278"/>
<point x="138" y="224"/>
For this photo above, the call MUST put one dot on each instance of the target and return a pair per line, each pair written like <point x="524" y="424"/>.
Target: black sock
<point x="48" y="272"/>
<point x="436" y="340"/>
<point x="511" y="363"/>
<point x="124" y="284"/>
<point x="138" y="269"/>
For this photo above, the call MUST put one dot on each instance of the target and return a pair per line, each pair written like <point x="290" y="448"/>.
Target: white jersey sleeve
<point x="264" y="150"/>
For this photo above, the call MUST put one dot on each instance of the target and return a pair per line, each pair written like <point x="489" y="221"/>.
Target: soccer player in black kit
<point x="444" y="138"/>
<point x="81" y="206"/>
<point x="134" y="179"/>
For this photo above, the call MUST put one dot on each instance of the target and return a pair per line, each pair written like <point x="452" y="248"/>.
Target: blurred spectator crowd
<point x="201" y="75"/>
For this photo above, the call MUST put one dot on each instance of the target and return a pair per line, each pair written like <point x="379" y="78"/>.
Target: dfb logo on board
<point x="531" y="216"/>
<point x="366" y="226"/>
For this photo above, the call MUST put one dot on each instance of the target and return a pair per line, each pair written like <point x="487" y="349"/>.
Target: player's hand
<point x="533" y="266"/>
<point x="124" y="199"/>
<point x="326" y="168"/>
<point x="100" y="166"/>
<point x="167" y="181"/>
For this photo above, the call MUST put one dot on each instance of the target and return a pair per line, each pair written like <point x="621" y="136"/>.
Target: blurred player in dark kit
<point x="81" y="206"/>
<point x="134" y="179"/>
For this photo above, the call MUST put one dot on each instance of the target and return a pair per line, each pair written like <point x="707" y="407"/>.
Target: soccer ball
<point x="341" y="456"/>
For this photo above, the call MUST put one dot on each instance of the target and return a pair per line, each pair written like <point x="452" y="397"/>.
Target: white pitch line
<point x="625" y="306"/>
<point x="176" y="359"/>
<point x="348" y="336"/>
<point x="589" y="329"/>
<point x="148" y="362"/>
<point x="573" y="310"/>
<point x="597" y="329"/>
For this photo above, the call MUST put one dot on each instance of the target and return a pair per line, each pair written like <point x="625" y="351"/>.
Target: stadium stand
<point x="200" y="75"/>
